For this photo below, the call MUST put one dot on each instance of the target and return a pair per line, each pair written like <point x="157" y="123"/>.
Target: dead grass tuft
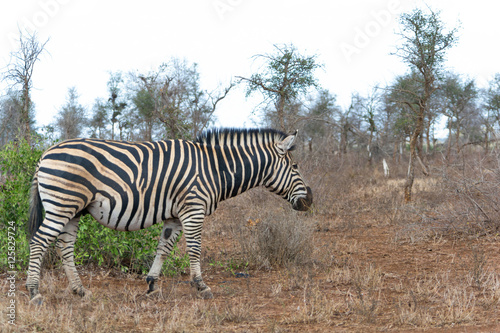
<point x="435" y="302"/>
<point x="363" y="298"/>
<point x="316" y="306"/>
<point x="276" y="239"/>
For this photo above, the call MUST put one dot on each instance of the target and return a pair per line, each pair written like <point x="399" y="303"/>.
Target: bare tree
<point x="424" y="45"/>
<point x="178" y="100"/>
<point x="492" y="109"/>
<point x="203" y="106"/>
<point x="319" y="118"/>
<point x="368" y="108"/>
<point x="20" y="73"/>
<point x="459" y="95"/>
<point x="348" y="122"/>
<point x="166" y="89"/>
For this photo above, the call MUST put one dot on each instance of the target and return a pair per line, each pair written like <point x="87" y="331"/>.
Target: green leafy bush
<point x="129" y="251"/>
<point x="17" y="166"/>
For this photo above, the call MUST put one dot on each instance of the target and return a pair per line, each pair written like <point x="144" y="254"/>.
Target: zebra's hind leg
<point x="192" y="221"/>
<point x="39" y="243"/>
<point x="65" y="247"/>
<point x="169" y="234"/>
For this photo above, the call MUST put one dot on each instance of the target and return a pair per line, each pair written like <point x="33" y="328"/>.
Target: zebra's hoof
<point x="154" y="292"/>
<point x="87" y="295"/>
<point x="81" y="292"/>
<point x="205" y="294"/>
<point x="37" y="300"/>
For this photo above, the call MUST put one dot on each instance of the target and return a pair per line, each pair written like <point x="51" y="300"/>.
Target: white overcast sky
<point x="352" y="38"/>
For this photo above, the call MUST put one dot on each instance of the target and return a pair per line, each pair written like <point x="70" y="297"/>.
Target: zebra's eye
<point x="294" y="166"/>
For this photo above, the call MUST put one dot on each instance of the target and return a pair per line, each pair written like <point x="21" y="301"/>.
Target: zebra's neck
<point x="241" y="168"/>
<point x="244" y="158"/>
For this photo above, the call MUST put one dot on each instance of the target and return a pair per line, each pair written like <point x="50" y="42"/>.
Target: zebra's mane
<point x="238" y="136"/>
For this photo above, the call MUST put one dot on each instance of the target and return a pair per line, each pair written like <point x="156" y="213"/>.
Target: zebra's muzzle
<point x="303" y="204"/>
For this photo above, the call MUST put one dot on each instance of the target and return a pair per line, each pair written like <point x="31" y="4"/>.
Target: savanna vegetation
<point x="404" y="233"/>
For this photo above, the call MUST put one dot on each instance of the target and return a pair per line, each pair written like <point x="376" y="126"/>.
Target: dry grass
<point x="275" y="240"/>
<point x="125" y="307"/>
<point x="361" y="261"/>
<point x="436" y="301"/>
<point x="363" y="298"/>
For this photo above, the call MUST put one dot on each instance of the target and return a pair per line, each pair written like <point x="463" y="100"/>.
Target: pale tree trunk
<point x="280" y="109"/>
<point x="370" y="140"/>
<point x="486" y="140"/>
<point x="25" y="117"/>
<point x="343" y="139"/>
<point x="369" y="148"/>
<point x="428" y="137"/>
<point x="458" y="137"/>
<point x="449" y="142"/>
<point x="410" y="176"/>
<point x="149" y="130"/>
<point x="395" y="153"/>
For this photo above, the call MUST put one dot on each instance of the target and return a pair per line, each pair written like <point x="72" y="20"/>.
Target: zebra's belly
<point x="128" y="220"/>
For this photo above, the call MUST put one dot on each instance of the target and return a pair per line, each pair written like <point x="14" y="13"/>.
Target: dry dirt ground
<point x="368" y="271"/>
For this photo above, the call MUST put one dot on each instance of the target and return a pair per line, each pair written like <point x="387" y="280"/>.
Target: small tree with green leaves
<point x="286" y="75"/>
<point x="72" y="117"/>
<point x="144" y="105"/>
<point x="11" y="105"/>
<point x="116" y="101"/>
<point x="99" y="119"/>
<point x="17" y="165"/>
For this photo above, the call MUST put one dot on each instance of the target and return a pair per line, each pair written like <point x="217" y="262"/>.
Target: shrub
<point x="17" y="165"/>
<point x="276" y="240"/>
<point x="470" y="200"/>
<point x="129" y="251"/>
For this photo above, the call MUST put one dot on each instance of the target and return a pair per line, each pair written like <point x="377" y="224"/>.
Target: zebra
<point x="129" y="186"/>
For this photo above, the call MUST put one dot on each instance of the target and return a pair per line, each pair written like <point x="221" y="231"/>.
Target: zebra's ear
<point x="287" y="143"/>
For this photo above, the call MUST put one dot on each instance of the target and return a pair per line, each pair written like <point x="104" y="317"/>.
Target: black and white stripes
<point x="132" y="185"/>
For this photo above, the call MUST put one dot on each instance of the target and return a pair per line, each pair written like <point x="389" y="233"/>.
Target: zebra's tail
<point x="36" y="213"/>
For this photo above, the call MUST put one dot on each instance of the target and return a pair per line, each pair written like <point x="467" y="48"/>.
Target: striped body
<point x="132" y="185"/>
<point x="124" y="186"/>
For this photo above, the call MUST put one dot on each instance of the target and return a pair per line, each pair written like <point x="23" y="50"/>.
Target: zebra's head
<point x="285" y="179"/>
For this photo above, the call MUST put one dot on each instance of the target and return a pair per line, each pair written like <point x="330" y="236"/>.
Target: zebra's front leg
<point x="192" y="222"/>
<point x="65" y="248"/>
<point x="169" y="234"/>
